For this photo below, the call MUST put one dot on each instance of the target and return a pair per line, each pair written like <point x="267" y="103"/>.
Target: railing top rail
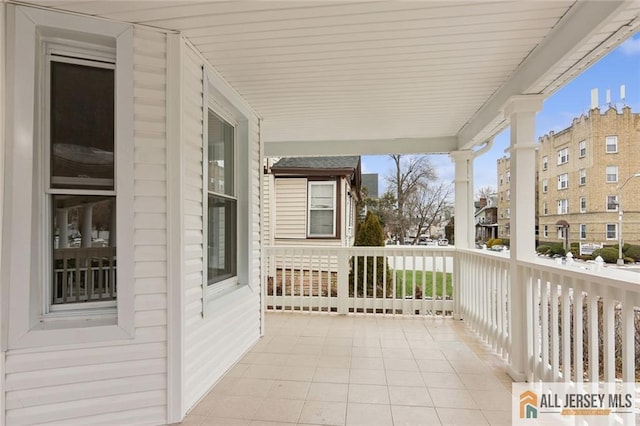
<point x="360" y="249"/>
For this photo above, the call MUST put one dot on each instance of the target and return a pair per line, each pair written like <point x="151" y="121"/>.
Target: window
<point x="501" y="180"/>
<point x="612" y="231"/>
<point x="563" y="206"/>
<point x="545" y="186"/>
<point x="508" y="194"/>
<point x="222" y="201"/>
<point x="508" y="176"/>
<point x="563" y="181"/>
<point x="583" y="231"/>
<point x="545" y="208"/>
<point x="563" y="156"/>
<point x="545" y="162"/>
<point x="582" y="149"/>
<point x="612" y="174"/>
<point x="322" y="209"/>
<point x="508" y="213"/>
<point x="583" y="204"/>
<point x="583" y="176"/>
<point x="611" y="144"/>
<point x="612" y="203"/>
<point x="545" y="231"/>
<point x="70" y="162"/>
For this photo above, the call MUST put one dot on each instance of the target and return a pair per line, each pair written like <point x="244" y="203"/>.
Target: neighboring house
<point x="486" y="218"/>
<point x="312" y="200"/>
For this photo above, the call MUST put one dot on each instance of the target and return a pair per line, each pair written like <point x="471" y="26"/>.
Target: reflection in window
<point x="322" y="197"/>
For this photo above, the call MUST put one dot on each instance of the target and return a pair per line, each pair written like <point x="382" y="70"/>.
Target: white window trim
<point x="606" y="145"/>
<point x="583" y="209"/>
<point x="333" y="183"/>
<point x="583" y="227"/>
<point x="216" y="97"/>
<point x="606" y="231"/>
<point x="580" y="144"/>
<point x="606" y="207"/>
<point x="26" y="259"/>
<point x="563" y="181"/>
<point x="545" y="162"/>
<point x="545" y="186"/>
<point x="606" y="174"/>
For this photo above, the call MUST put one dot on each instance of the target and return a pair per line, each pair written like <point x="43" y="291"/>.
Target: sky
<point x="620" y="67"/>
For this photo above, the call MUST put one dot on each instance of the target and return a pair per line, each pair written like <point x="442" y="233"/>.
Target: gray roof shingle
<point x="340" y="163"/>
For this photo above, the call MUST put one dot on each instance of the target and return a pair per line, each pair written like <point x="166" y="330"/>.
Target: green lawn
<point x="407" y="277"/>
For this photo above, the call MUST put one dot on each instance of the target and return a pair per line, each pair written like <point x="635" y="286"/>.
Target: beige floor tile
<point x="404" y="378"/>
<point x="414" y="416"/>
<point x="481" y="381"/>
<point x="409" y="395"/>
<point x="339" y="341"/>
<point x="258" y="371"/>
<point x="236" y="407"/>
<point x="304" y="374"/>
<point x="429" y="353"/>
<point x="443" y="380"/>
<point x="497" y="417"/>
<point x="336" y="350"/>
<point x="279" y="410"/>
<point x="452" y="398"/>
<point x="311" y="340"/>
<point x="435" y="366"/>
<point x="334" y="361"/>
<point x="191" y="420"/>
<point x="367" y="377"/>
<point x="457" y="416"/>
<point x="398" y="353"/>
<point x="368" y="415"/>
<point x="399" y="364"/>
<point x="285" y="389"/>
<point x="367" y="351"/>
<point x="493" y="399"/>
<point x="331" y="375"/>
<point x="371" y="394"/>
<point x="324" y="413"/>
<point x="330" y="392"/>
<point x="365" y="363"/>
<point x="222" y="421"/>
<point x="251" y="387"/>
<point x="302" y="349"/>
<point x="301" y="360"/>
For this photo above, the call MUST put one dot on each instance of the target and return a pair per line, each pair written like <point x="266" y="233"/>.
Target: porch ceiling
<point x="384" y="76"/>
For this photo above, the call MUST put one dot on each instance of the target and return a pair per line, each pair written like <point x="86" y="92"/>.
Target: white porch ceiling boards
<point x="389" y="76"/>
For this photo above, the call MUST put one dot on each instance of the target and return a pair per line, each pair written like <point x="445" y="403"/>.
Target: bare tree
<point x="485" y="192"/>
<point x="428" y="205"/>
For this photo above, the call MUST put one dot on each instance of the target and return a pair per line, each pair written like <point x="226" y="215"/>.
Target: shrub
<point x="556" y="249"/>
<point x="369" y="234"/>
<point x="633" y="252"/>
<point x="494" y="242"/>
<point x="625" y="247"/>
<point x="608" y="254"/>
<point x="506" y="242"/>
<point x="543" y="249"/>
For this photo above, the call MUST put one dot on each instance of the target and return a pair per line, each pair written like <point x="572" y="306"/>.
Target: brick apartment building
<point x="579" y="173"/>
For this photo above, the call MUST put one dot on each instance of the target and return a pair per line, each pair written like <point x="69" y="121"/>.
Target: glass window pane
<point x="321" y="222"/>
<point x="322" y="196"/>
<point x="84" y="249"/>
<point x="82" y="126"/>
<point x="220" y="140"/>
<point x="222" y="230"/>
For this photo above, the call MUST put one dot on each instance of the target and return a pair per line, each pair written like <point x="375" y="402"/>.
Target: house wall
<point x="213" y="341"/>
<point x="124" y="381"/>
<point x="290" y="209"/>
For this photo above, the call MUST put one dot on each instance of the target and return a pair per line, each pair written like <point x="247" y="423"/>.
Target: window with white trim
<point x="545" y="208"/>
<point x="612" y="203"/>
<point x="222" y="201"/>
<point x="612" y="174"/>
<point x="545" y="231"/>
<point x="611" y="144"/>
<point x="563" y="156"/>
<point x="563" y="206"/>
<point x="545" y="186"/>
<point x="508" y="213"/>
<point x="612" y="231"/>
<point x="545" y="162"/>
<point x="508" y="176"/>
<point x="582" y="173"/>
<point x="322" y="209"/>
<point x="508" y="194"/>
<point x="583" y="204"/>
<point x="563" y="181"/>
<point x="583" y="231"/>
<point x="582" y="149"/>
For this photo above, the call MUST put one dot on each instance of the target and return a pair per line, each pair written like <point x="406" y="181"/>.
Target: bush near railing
<point x="585" y="337"/>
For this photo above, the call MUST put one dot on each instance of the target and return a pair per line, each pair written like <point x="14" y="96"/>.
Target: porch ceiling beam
<point x="583" y="21"/>
<point x="436" y="145"/>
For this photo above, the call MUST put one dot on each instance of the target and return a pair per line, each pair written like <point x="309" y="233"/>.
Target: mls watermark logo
<point x="574" y="403"/>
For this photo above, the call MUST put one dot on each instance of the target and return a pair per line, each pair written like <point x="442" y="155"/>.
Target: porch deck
<point x="361" y="370"/>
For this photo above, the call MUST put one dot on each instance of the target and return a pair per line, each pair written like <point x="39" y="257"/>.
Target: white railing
<point x="84" y="275"/>
<point x="580" y="324"/>
<point x="382" y="280"/>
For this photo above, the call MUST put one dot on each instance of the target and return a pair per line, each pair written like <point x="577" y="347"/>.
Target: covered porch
<point x="361" y="370"/>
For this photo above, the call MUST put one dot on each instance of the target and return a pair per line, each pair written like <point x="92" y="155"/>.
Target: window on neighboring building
<point x="612" y="174"/>
<point x="612" y="203"/>
<point x="583" y="204"/>
<point x="545" y="186"/>
<point x="612" y="231"/>
<point x="322" y="209"/>
<point x="508" y="176"/>
<point x="501" y="180"/>
<point x="222" y="201"/>
<point x="611" y="143"/>
<point x="508" y="194"/>
<point x="563" y="181"/>
<point x="545" y="231"/>
<point x="563" y="206"/>
<point x="545" y="162"/>
<point x="545" y="208"/>
<point x="563" y="156"/>
<point x="582" y="149"/>
<point x="583" y="231"/>
<point x="508" y="213"/>
<point x="583" y="176"/>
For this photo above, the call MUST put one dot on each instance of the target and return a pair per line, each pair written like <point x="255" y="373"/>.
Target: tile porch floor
<point x="319" y="369"/>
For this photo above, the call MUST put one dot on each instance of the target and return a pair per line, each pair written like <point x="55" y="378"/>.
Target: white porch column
<point x="464" y="226"/>
<point x="521" y="112"/>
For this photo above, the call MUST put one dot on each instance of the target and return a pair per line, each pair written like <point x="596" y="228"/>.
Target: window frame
<point x="607" y="174"/>
<point x="545" y="231"/>
<point x="582" y="177"/>
<point x="563" y="206"/>
<point x="545" y="209"/>
<point x="563" y="181"/>
<point x="583" y="204"/>
<point x="545" y="186"/>
<point x="607" y="139"/>
<point x="563" y="156"/>
<point x="582" y="149"/>
<point x="615" y="231"/>
<point x="32" y="324"/>
<point x="583" y="231"/>
<point x="545" y="162"/>
<point x="615" y="203"/>
<point x="336" y="204"/>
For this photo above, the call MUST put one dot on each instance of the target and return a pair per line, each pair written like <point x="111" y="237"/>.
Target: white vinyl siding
<point x="291" y="208"/>
<point x="215" y="341"/>
<point x="122" y="381"/>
